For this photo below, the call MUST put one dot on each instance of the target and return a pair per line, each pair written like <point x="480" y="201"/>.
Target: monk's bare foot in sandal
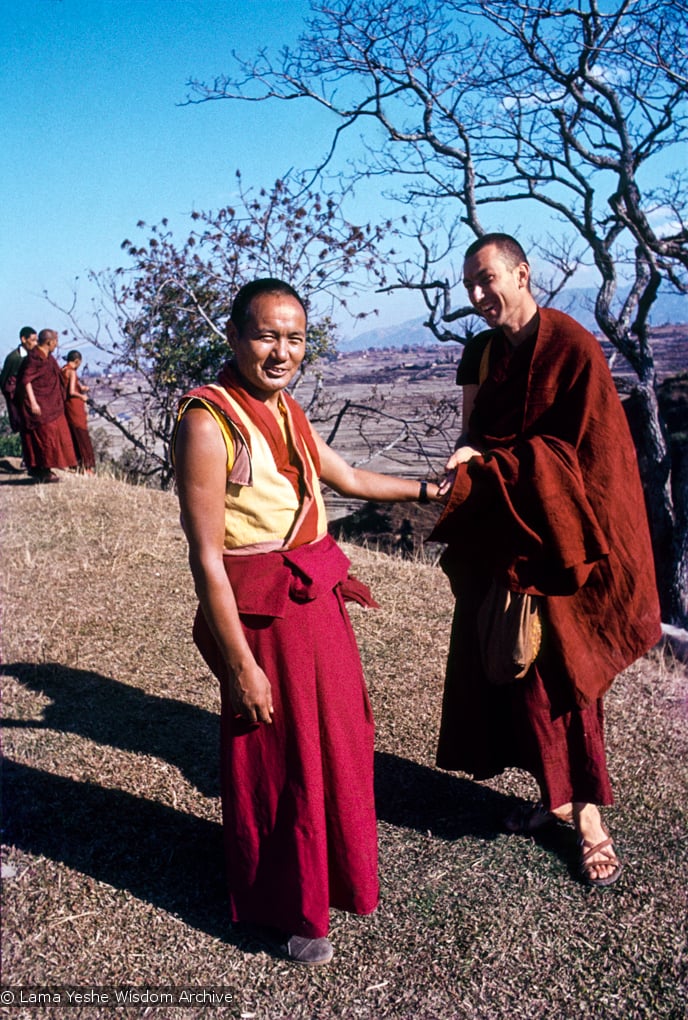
<point x="599" y="864"/>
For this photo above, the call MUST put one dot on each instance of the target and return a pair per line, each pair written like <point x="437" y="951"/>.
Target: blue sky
<point x="94" y="138"/>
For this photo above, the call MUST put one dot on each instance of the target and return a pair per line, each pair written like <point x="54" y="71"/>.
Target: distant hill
<point x="412" y="333"/>
<point x="579" y="302"/>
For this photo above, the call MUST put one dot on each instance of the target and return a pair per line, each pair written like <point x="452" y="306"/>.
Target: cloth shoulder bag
<point x="509" y="625"/>
<point x="510" y="633"/>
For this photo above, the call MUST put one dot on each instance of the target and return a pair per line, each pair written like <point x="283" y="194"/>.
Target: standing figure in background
<point x="544" y="498"/>
<point x="10" y="371"/>
<point x="75" y="410"/>
<point x="296" y="726"/>
<point x="41" y="391"/>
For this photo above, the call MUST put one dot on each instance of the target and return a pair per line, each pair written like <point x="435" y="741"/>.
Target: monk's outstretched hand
<point x="460" y="456"/>
<point x="251" y="694"/>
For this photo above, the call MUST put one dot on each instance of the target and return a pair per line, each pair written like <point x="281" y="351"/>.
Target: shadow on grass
<point x="118" y="715"/>
<point x="164" y="857"/>
<point x="450" y="807"/>
<point x="17" y="480"/>
<point x="108" y="712"/>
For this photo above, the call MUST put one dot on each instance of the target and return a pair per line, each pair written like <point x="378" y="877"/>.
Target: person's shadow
<point x="414" y="796"/>
<point x="450" y="807"/>
<point x="164" y="856"/>
<point x="118" y="715"/>
<point x="6" y="479"/>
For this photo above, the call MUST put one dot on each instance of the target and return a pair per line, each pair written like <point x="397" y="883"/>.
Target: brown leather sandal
<point x="587" y="865"/>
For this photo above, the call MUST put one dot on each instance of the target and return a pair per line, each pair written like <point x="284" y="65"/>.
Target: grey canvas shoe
<point x="310" y="951"/>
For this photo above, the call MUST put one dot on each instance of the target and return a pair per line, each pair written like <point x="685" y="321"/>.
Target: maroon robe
<point x="555" y="507"/>
<point x="48" y="442"/>
<point x="77" y="419"/>
<point x="298" y="803"/>
<point x="297" y="795"/>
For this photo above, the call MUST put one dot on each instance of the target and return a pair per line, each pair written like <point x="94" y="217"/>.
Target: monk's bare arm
<point x="351" y="481"/>
<point x="74" y="387"/>
<point x="201" y="470"/>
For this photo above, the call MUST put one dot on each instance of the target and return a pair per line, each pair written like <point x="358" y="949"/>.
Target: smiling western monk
<point x="297" y="728"/>
<point x="545" y="497"/>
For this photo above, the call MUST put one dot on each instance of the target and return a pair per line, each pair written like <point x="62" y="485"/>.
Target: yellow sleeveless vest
<point x="259" y="516"/>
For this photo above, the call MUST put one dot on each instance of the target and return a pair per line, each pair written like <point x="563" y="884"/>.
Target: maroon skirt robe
<point x="77" y="419"/>
<point x="297" y="795"/>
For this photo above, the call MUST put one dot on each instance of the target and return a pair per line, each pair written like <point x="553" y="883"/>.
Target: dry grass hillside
<point x="112" y="862"/>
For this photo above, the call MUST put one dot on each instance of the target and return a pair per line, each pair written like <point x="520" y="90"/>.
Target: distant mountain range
<point x="579" y="302"/>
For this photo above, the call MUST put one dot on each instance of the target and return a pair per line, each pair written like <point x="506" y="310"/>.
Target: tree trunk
<point x="665" y="484"/>
<point x="679" y="490"/>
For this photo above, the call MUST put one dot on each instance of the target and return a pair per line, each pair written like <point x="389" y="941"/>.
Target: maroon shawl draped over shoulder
<point x="48" y="387"/>
<point x="556" y="507"/>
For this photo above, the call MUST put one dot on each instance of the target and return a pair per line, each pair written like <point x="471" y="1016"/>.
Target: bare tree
<point x="162" y="319"/>
<point x="481" y="108"/>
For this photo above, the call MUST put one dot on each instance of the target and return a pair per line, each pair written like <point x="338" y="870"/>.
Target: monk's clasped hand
<point x="445" y="485"/>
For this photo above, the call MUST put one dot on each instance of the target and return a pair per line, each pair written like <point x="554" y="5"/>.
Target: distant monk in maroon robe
<point x="544" y="497"/>
<point x="76" y="396"/>
<point x="48" y="442"/>
<point x="297" y="727"/>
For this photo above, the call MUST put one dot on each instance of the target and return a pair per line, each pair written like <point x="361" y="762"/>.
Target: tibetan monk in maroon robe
<point x="297" y="728"/>
<point x="47" y="439"/>
<point x="76" y="397"/>
<point x="544" y="497"/>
